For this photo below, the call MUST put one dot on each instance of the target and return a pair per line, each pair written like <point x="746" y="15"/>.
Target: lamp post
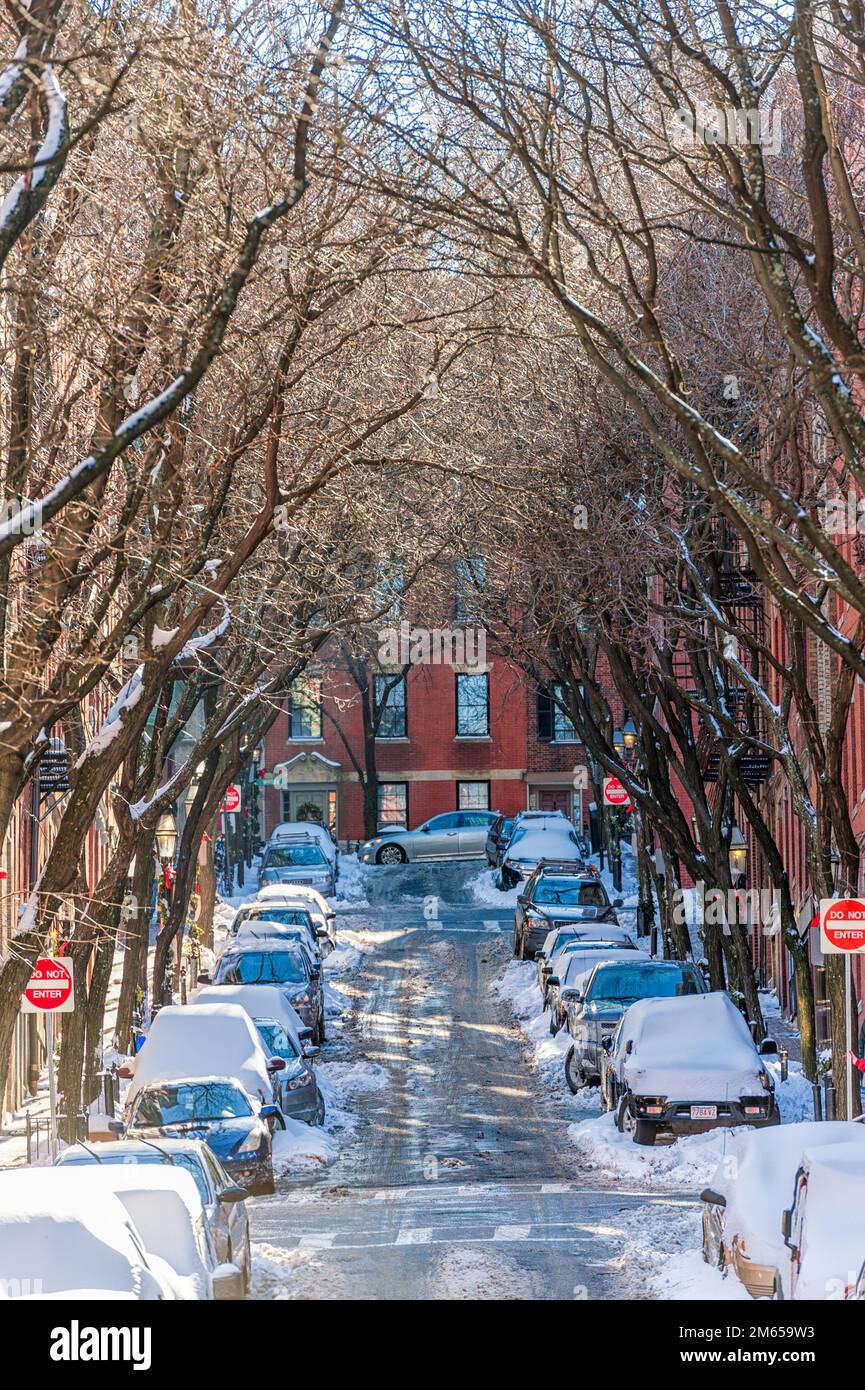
<point x="629" y="733"/>
<point x="738" y="857"/>
<point x="166" y="844"/>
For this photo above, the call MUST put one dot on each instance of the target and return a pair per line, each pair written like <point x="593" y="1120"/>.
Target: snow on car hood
<point x="758" y="1183"/>
<point x="692" y="1048"/>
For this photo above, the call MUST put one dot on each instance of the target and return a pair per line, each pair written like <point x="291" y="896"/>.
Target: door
<point x="315" y="804"/>
<point x="442" y="840"/>
<point x="555" y="799"/>
<point x="474" y="828"/>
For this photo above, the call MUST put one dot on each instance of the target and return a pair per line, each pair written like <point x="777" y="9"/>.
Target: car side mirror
<point x="768" y="1048"/>
<point x="204" y="978"/>
<point x="331" y="916"/>
<point x="227" y="1282"/>
<point x="787" y="1224"/>
<point x="231" y="1194"/>
<point x="710" y="1195"/>
<point x="314" y="972"/>
<point x="521" y="899"/>
<point x="269" y="1112"/>
<point x="276" y="1064"/>
<point x="553" y="980"/>
<point x="618" y="902"/>
<point x="321" y="933"/>
<point x="116" y="1127"/>
<point x="309" y="1050"/>
<point x="425" y="829"/>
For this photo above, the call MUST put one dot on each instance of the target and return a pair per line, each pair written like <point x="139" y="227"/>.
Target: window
<point x="473" y="706"/>
<point x="393" y="803"/>
<point x="469" y="576"/>
<point x="473" y="796"/>
<point x="554" y="725"/>
<point x="393" y="723"/>
<point x="304" y="709"/>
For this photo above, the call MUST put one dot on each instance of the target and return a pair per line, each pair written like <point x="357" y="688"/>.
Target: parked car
<point x="261" y="929"/>
<point x="594" y="1011"/>
<point x="298" y="861"/>
<point x="288" y="832"/>
<point x="57" y="1243"/>
<point x="743" y="1205"/>
<point x="300" y="1096"/>
<point x="206" y="1040"/>
<point x="168" y="1214"/>
<point x="265" y="1001"/>
<point x="216" y="1109"/>
<point x="554" y="838"/>
<point x="497" y="838"/>
<point x="564" y="988"/>
<point x="824" y="1229"/>
<point x="681" y="1066"/>
<point x="452" y="835"/>
<point x="557" y="895"/>
<point x="285" y="964"/>
<point x="293" y="893"/>
<point x="288" y="912"/>
<point x="222" y="1200"/>
<point x="558" y="942"/>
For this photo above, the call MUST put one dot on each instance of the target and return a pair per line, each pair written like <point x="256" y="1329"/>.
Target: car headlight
<point x="302" y="999"/>
<point x="253" y="1141"/>
<point x="305" y="1079"/>
<point x="766" y="1081"/>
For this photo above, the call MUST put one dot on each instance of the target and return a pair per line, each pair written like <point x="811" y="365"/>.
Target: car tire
<point x="573" y="1071"/>
<point x="645" y="1133"/>
<point x="554" y="1023"/>
<point x="391" y="854"/>
<point x="625" y="1120"/>
<point x="319" y="1112"/>
<point x="517" y="953"/>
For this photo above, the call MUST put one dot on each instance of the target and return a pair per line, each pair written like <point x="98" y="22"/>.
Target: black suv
<point x="611" y="989"/>
<point x="559" y="893"/>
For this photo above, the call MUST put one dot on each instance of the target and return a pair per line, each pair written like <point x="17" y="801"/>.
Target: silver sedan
<point x="453" y="835"/>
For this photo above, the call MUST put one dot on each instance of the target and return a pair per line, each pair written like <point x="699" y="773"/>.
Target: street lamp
<point x="618" y="741"/>
<point x="738" y="854"/>
<point x="629" y="733"/>
<point x="166" y="837"/>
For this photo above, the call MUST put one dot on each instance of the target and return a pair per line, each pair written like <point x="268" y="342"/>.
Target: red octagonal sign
<point x="50" y="986"/>
<point x="232" y="798"/>
<point x="614" y="793"/>
<point x="842" y="924"/>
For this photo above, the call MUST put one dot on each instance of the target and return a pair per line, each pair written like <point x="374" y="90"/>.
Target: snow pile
<point x="301" y="1146"/>
<point x="349" y="953"/>
<point x="687" y="1164"/>
<point x="483" y="889"/>
<point x="794" y="1096"/>
<point x="274" y="1272"/>
<point x="662" y="1256"/>
<point x="341" y="1082"/>
<point x="352" y="884"/>
<point x="519" y="986"/>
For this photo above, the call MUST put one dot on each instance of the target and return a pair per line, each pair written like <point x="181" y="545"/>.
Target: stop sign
<point x="614" y="792"/>
<point x="842" y="925"/>
<point x="50" y="987"/>
<point x="232" y="798"/>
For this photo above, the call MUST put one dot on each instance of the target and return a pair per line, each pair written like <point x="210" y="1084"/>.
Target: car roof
<point x="238" y="944"/>
<point x="121" y="1147"/>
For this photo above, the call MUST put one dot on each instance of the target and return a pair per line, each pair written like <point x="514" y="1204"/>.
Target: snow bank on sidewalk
<point x="483" y="889"/>
<point x="300" y="1146"/>
<point x="352" y="885"/>
<point x="519" y="987"/>
<point x="662" y="1256"/>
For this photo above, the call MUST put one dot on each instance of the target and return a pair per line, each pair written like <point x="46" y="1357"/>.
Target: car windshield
<point x="276" y="1040"/>
<point x="190" y="1101"/>
<point x="284" y="916"/>
<point x="622" y="984"/>
<point x="261" y="968"/>
<point x="569" y="892"/>
<point x="292" y="856"/>
<point x="179" y="1160"/>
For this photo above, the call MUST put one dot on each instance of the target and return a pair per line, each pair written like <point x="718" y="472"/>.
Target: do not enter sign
<point x="614" y="793"/>
<point x="50" y="988"/>
<point x="842" y="925"/>
<point x="232" y="798"/>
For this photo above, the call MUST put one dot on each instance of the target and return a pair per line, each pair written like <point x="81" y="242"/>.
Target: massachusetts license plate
<point x="704" y="1112"/>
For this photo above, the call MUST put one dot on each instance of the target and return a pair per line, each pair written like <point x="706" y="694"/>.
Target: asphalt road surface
<point x="459" y="1180"/>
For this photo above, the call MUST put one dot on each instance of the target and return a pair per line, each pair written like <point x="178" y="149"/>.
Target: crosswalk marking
<point x="549" y="1189"/>
<point x="318" y="1240"/>
<point x="511" y="1232"/>
<point x="414" y="1235"/>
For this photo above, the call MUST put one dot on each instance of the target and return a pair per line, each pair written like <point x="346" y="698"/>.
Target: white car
<point x="532" y="841"/>
<point x="57" y="1243"/>
<point x="198" y="1040"/>
<point x="824" y="1229"/>
<point x="744" y="1203"/>
<point x="267" y="928"/>
<point x="289" y="909"/>
<point x="259" y="1001"/>
<point x="316" y="904"/>
<point x="567" y="981"/>
<point x="684" y="1065"/>
<point x="291" y="830"/>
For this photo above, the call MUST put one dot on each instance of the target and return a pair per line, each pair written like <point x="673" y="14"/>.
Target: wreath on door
<point x="309" y="811"/>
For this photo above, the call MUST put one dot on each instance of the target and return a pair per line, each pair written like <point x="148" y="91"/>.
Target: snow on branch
<point x="28" y="193"/>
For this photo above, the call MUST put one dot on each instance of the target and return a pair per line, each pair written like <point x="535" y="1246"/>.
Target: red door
<point x="555" y="800"/>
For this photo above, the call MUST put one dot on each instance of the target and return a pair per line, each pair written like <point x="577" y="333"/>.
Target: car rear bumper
<point x="676" y="1115"/>
<point x="759" y="1280"/>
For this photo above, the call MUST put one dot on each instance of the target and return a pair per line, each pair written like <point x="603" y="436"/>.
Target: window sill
<point x="473" y="738"/>
<point x="397" y="738"/>
<point x="299" y="738"/>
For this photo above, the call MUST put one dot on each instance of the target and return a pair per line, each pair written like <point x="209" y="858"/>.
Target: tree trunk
<point x="137" y="939"/>
<point x="207" y="885"/>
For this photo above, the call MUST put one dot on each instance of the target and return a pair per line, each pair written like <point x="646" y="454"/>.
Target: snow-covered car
<point x="165" y="1206"/>
<point x="216" y="1109"/>
<point x="452" y="835"/>
<point x="559" y="938"/>
<point x="273" y="926"/>
<point x="300" y="829"/>
<point x="274" y="962"/>
<point x="686" y="1065"/>
<point x="221" y="1198"/>
<point x="292" y="895"/>
<point x="553" y="838"/>
<point x="299" y="860"/>
<point x="574" y="939"/>
<point x="498" y="834"/>
<point x="611" y="988"/>
<point x="563" y="988"/>
<point x="744" y="1203"/>
<point x="57" y="1243"/>
<point x="824" y="1229"/>
<point x="206" y="1040"/>
<point x="558" y="895"/>
<point x="264" y="1001"/>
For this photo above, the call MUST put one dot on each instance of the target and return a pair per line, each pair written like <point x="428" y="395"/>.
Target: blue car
<point x="217" y="1110"/>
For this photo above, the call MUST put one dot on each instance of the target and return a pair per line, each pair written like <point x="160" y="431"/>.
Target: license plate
<point x="704" y="1112"/>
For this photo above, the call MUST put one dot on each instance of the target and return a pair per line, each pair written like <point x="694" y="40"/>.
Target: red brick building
<point x="454" y="736"/>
